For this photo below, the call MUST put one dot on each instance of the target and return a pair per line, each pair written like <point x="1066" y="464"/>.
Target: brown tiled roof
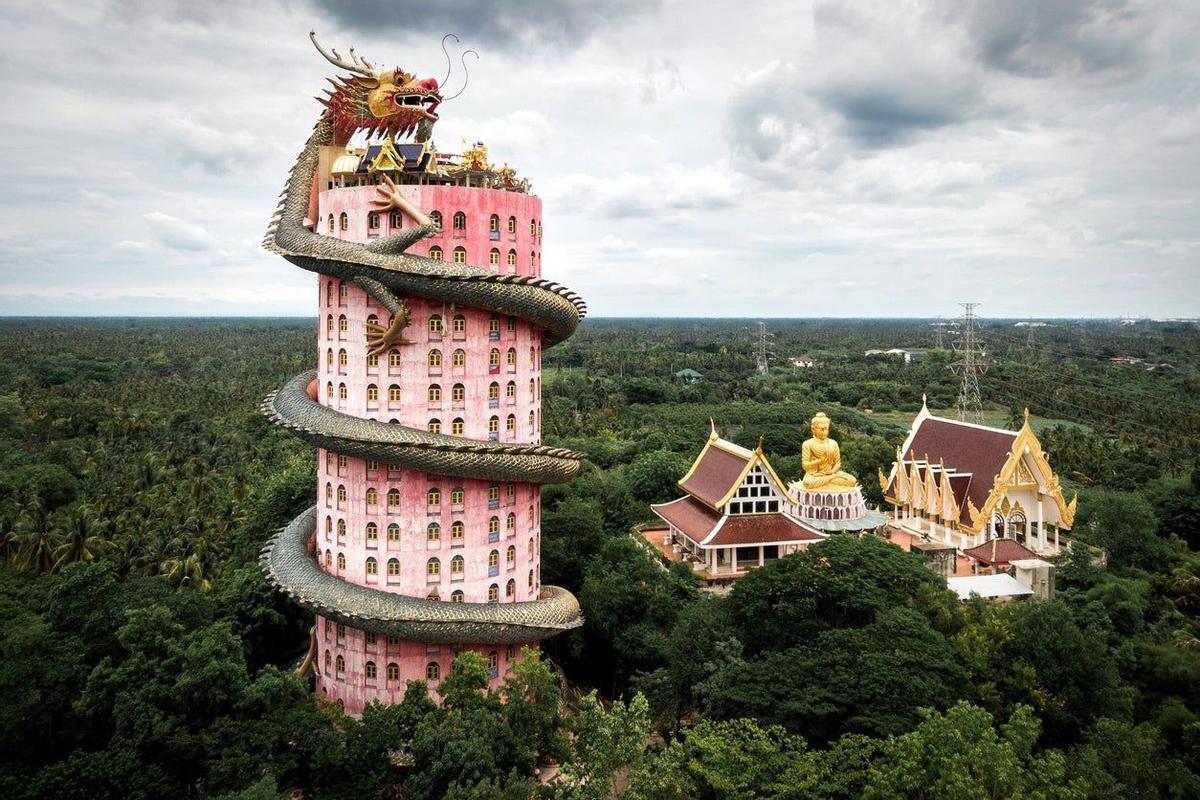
<point x="715" y="474"/>
<point x="743" y="529"/>
<point x="963" y="448"/>
<point x="999" y="552"/>
<point x="689" y="515"/>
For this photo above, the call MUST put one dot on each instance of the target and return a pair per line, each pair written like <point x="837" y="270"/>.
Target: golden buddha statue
<point x="822" y="460"/>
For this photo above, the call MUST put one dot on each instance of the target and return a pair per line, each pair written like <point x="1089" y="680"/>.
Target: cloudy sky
<point x="694" y="158"/>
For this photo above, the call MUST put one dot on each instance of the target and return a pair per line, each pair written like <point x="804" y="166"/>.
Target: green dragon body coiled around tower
<point x="394" y="102"/>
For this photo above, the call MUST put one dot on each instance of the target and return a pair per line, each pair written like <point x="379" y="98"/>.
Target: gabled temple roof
<point x="719" y="470"/>
<point x="966" y="448"/>
<point x="710" y="528"/>
<point x="999" y="552"/>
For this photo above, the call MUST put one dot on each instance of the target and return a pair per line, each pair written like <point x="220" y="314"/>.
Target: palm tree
<point x="186" y="570"/>
<point x="80" y="538"/>
<point x="36" y="540"/>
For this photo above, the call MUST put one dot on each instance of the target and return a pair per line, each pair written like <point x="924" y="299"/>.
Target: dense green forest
<point x="143" y="655"/>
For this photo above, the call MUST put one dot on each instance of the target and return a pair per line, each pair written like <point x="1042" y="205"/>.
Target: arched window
<point x="372" y="534"/>
<point x="329" y="358"/>
<point x="329" y="325"/>
<point x="433" y="568"/>
<point x="341" y="528"/>
<point x="433" y="497"/>
<point x="494" y="662"/>
<point x="393" y="500"/>
<point x="533" y="228"/>
<point x="435" y="359"/>
<point x="369" y="670"/>
<point x="510" y="556"/>
<point x="512" y="259"/>
<point x="372" y="496"/>
<point x="433" y="532"/>
<point x="393" y="533"/>
<point x="432" y="671"/>
<point x="328" y="655"/>
<point x="494" y="327"/>
<point x="457" y="596"/>
<point x="435" y="217"/>
<point x="494" y="389"/>
<point x="494" y="257"/>
<point x="341" y="391"/>
<point x="343" y="325"/>
<point x="435" y="253"/>
<point x="433" y="594"/>
<point x="510" y="357"/>
<point x="394" y="359"/>
<point x="435" y="324"/>
<point x="341" y="631"/>
<point x="395" y="220"/>
<point x="372" y="566"/>
<point x="457" y="529"/>
<point x="434" y="425"/>
<point x="393" y="671"/>
<point x="340" y="662"/>
<point x="341" y="561"/>
<point x="494" y="357"/>
<point x="341" y="494"/>
<point x="343" y="292"/>
<point x="494" y="558"/>
<point x="532" y="389"/>
<point x="533" y="356"/>
<point x="512" y="224"/>
<point x="510" y="391"/>
<point x="532" y="259"/>
<point x="458" y="393"/>
<point x="510" y="423"/>
<point x="530" y="579"/>
<point x="459" y="323"/>
<point x="457" y="565"/>
<point x="493" y="593"/>
<point x="329" y="494"/>
<point x="494" y="224"/>
<point x="344" y="221"/>
<point x="529" y="547"/>
<point x="457" y="426"/>
<point x="494" y="424"/>
<point x="329" y="558"/>
<point x="372" y="393"/>
<point x="532" y="425"/>
<point x="329" y="391"/>
<point x="372" y="219"/>
<point x="460" y="358"/>
<point x="330" y="223"/>
<point x="510" y="588"/>
<point x="460" y="255"/>
<point x="511" y="521"/>
<point x="494" y="527"/>
<point x="434" y="393"/>
<point x="460" y="221"/>
<point x="393" y="566"/>
<point x="456" y="496"/>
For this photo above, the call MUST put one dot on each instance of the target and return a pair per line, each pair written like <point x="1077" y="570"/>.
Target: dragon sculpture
<point x="395" y="103"/>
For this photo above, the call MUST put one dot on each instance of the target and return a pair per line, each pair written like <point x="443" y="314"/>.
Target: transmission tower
<point x="1029" y="342"/>
<point x="938" y="335"/>
<point x="761" y="365"/>
<point x="969" y="366"/>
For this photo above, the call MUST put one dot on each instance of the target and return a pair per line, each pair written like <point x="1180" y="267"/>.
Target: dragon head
<point x="392" y="102"/>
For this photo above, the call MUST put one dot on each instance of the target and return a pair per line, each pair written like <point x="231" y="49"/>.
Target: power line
<point x="761" y="363"/>
<point x="969" y="366"/>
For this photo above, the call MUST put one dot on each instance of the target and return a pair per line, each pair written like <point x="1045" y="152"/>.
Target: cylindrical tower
<point x="425" y="539"/>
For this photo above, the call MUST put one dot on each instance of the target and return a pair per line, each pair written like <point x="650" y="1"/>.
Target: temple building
<point x="737" y="514"/>
<point x="965" y="484"/>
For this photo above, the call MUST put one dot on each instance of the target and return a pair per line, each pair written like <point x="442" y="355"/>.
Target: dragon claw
<point x="381" y="339"/>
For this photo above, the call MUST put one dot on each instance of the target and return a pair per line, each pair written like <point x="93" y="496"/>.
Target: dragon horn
<point x="357" y="67"/>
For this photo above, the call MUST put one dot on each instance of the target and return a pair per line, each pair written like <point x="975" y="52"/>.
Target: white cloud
<point x="177" y="234"/>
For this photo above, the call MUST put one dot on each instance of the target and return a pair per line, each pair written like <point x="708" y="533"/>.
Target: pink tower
<point x="425" y="539"/>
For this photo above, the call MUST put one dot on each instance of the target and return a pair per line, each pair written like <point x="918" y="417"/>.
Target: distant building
<point x="688" y="375"/>
<point x="804" y="362"/>
<point x="908" y="356"/>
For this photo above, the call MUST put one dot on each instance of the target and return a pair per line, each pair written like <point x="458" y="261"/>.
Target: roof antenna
<point x="466" y="74"/>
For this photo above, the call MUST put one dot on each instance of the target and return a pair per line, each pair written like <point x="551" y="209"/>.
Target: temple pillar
<point x="761" y="555"/>
<point x="712" y="560"/>
<point x="733" y="559"/>
<point x="1041" y="521"/>
<point x="1056" y="538"/>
